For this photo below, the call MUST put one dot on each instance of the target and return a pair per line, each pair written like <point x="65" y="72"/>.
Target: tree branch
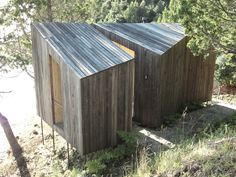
<point x="4" y="64"/>
<point x="225" y="11"/>
<point x="49" y="10"/>
<point x="27" y="71"/>
<point x="6" y="91"/>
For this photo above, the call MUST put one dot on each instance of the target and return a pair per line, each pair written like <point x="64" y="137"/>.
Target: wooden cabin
<point x="167" y="75"/>
<point x="84" y="84"/>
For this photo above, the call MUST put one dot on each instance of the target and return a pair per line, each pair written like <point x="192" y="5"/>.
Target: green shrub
<point x="95" y="166"/>
<point x="226" y="71"/>
<point x="56" y="168"/>
<point x="76" y="172"/>
<point x="99" y="164"/>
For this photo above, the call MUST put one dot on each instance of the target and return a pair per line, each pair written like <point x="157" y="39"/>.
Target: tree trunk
<point x="49" y="9"/>
<point x="16" y="148"/>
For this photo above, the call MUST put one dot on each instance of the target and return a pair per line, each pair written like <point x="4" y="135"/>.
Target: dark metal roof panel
<point x="156" y="37"/>
<point x="82" y="46"/>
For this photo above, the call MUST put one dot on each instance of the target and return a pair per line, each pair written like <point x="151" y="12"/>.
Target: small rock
<point x="35" y="132"/>
<point x="185" y="169"/>
<point x="36" y="125"/>
<point x="194" y="168"/>
<point x="177" y="174"/>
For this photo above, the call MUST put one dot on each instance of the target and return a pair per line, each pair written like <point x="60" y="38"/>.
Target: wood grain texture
<point x="93" y="106"/>
<point x="82" y="47"/>
<point x="167" y="75"/>
<point x="107" y="106"/>
<point x="42" y="76"/>
<point x="129" y="51"/>
<point x="55" y="73"/>
<point x="154" y="37"/>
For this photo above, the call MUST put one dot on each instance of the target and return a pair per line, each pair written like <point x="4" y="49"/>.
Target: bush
<point x="226" y="71"/>
<point x="99" y="164"/>
<point x="95" y="166"/>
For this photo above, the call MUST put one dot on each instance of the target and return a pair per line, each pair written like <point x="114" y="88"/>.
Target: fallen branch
<point x="157" y="138"/>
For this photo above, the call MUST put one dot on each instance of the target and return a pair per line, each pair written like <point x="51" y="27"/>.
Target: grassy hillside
<point x="211" y="152"/>
<point x="203" y="144"/>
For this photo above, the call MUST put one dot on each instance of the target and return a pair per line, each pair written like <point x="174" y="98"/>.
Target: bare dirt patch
<point x="40" y="159"/>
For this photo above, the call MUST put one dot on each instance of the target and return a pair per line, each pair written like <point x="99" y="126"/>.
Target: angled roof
<point x="82" y="47"/>
<point x="156" y="37"/>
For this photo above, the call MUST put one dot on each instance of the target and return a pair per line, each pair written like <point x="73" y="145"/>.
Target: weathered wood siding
<point x="200" y="77"/>
<point x="163" y="83"/>
<point x="55" y="73"/>
<point x="42" y="76"/>
<point x="107" y="106"/>
<point x="70" y="90"/>
<point x="94" y="108"/>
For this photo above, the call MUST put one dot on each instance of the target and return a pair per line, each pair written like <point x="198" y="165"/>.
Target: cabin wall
<point x="163" y="84"/>
<point x="42" y="76"/>
<point x="181" y="78"/>
<point x="172" y="78"/>
<point x="94" y="108"/>
<point x="72" y="111"/>
<point x="146" y="94"/>
<point x="107" y="106"/>
<point x="148" y="86"/>
<point x="199" y="85"/>
<point x="71" y="128"/>
<point x="159" y="84"/>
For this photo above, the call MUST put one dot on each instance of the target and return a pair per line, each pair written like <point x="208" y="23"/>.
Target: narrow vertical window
<point x="57" y="109"/>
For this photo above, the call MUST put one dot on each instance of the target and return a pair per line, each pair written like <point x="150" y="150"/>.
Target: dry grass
<point x="206" y="149"/>
<point x="40" y="158"/>
<point x="211" y="152"/>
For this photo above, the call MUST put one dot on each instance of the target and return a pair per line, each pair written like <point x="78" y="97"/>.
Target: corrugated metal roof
<point x="82" y="46"/>
<point x="157" y="37"/>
